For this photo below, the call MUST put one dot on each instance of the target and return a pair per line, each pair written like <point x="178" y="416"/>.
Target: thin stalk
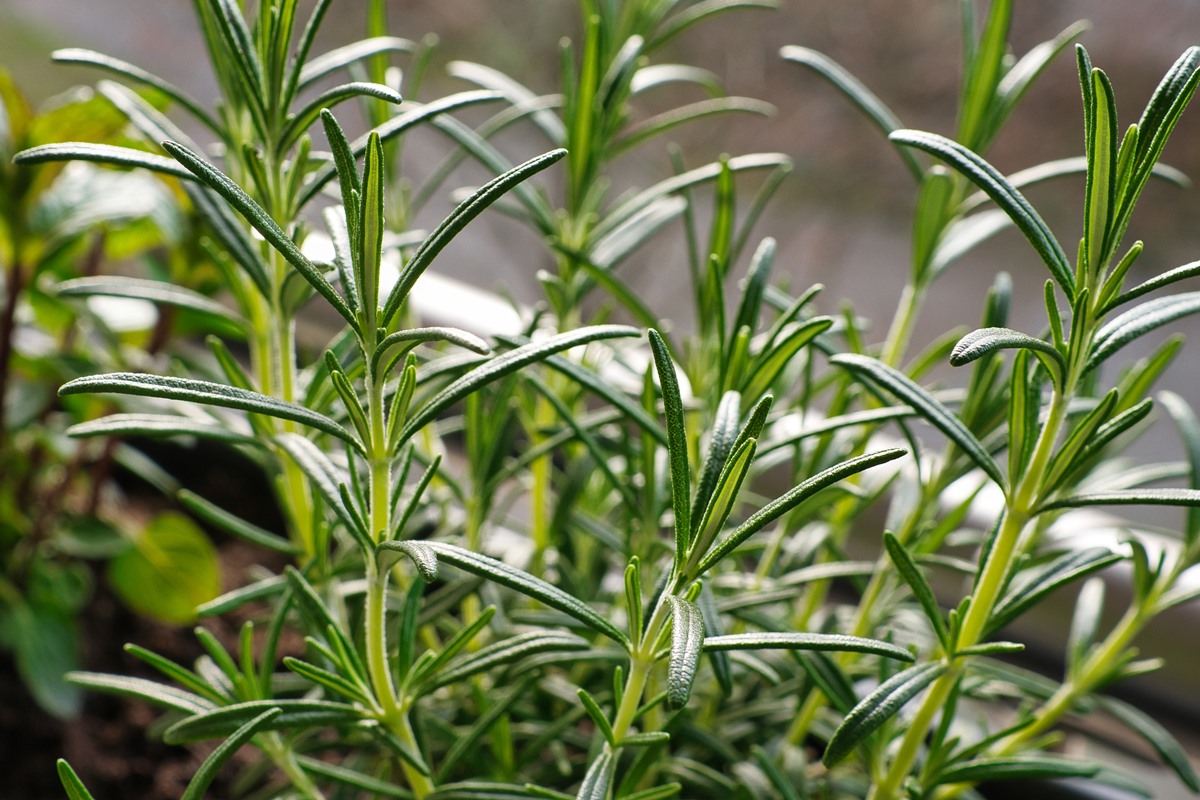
<point x="14" y="284"/>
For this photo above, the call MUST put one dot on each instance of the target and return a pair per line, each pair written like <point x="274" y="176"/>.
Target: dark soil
<point x="113" y="746"/>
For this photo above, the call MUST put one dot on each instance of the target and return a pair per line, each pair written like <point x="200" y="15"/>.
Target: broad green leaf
<point x="207" y="772"/>
<point x="687" y="640"/>
<point x="208" y="393"/>
<point x="780" y="506"/>
<point x="859" y="95"/>
<point x="457" y="220"/>
<point x="102" y="154"/>
<point x="1158" y="737"/>
<point x="926" y="406"/>
<point x="497" y="367"/>
<point x="263" y="223"/>
<point x="877" y="708"/>
<point x="806" y="641"/>
<point x="920" y="587"/>
<point x="979" y="343"/>
<point x="1011" y="201"/>
<point x="171" y="569"/>
<point x="1018" y="768"/>
<point x="46" y="647"/>
<point x="526" y="584"/>
<point x="296" y="715"/>
<point x="71" y="784"/>
<point x="422" y="557"/>
<point x="1033" y="585"/>
<point x="677" y="447"/>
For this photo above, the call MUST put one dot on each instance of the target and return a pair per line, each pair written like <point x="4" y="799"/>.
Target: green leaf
<point x="422" y="557"/>
<point x="349" y="54"/>
<point x="877" y="708"/>
<point x="983" y="71"/>
<point x="859" y="95"/>
<point x="821" y="642"/>
<point x="156" y="292"/>
<point x="723" y="499"/>
<point x="207" y="772"/>
<point x="1034" y="585"/>
<point x="142" y="689"/>
<point x="687" y="639"/>
<point x="677" y="447"/>
<point x="208" y="393"/>
<point x="925" y="405"/>
<point x="1158" y="737"/>
<point x="611" y="394"/>
<point x="71" y="784"/>
<point x="504" y="652"/>
<point x="77" y="55"/>
<point x="328" y="481"/>
<point x="1102" y="170"/>
<point x="154" y="425"/>
<point x="468" y="743"/>
<point x="296" y="715"/>
<point x="102" y="154"/>
<point x="780" y="506"/>
<point x="979" y="343"/>
<point x="264" y="224"/>
<point x="526" y="584"/>
<point x="349" y="777"/>
<point x="1018" y="768"/>
<point x="46" y="648"/>
<point x="1189" y="270"/>
<point x="598" y="778"/>
<point x="306" y="116"/>
<point x="597" y="715"/>
<point x="457" y="220"/>
<point x="396" y="345"/>
<point x="1189" y="498"/>
<point x="497" y="367"/>
<point x="1142" y="319"/>
<point x="920" y="587"/>
<point x="171" y="569"/>
<point x="769" y="364"/>
<point x="1011" y="201"/>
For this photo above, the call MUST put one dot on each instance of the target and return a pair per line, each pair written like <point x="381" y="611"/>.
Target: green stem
<point x="900" y="333"/>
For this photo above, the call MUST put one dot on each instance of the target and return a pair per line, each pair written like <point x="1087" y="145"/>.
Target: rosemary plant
<point x="610" y="595"/>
